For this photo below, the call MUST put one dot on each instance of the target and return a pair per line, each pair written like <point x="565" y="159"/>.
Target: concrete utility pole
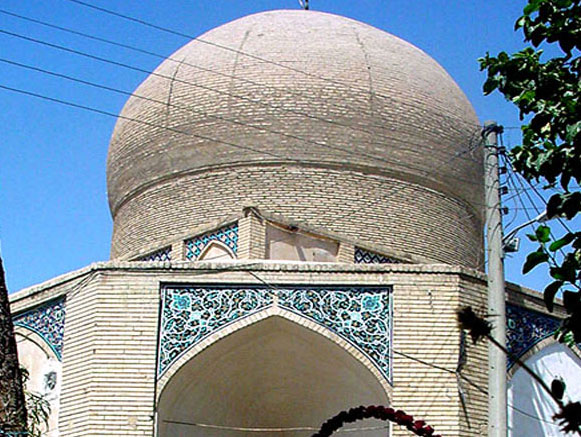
<point x="497" y="423"/>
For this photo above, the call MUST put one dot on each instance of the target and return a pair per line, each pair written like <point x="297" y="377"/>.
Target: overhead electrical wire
<point x="244" y="268"/>
<point x="456" y="156"/>
<point x="110" y="114"/>
<point x="203" y="113"/>
<point x="537" y="210"/>
<point x="102" y="112"/>
<point x="207" y="88"/>
<point x="239" y="52"/>
<point x="143" y="122"/>
<point x="260" y="429"/>
<point x="421" y="361"/>
<point x="182" y="62"/>
<point x="470" y="148"/>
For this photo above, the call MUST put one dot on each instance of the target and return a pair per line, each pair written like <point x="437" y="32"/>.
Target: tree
<point x="547" y="94"/>
<point x="12" y="400"/>
<point x="37" y="409"/>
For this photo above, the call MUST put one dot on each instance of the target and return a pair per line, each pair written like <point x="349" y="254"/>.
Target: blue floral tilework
<point x="48" y="321"/>
<point x="525" y="328"/>
<point x="190" y="314"/>
<point x="228" y="235"/>
<point x="361" y="315"/>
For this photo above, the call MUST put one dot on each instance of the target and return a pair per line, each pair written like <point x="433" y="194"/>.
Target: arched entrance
<point x="530" y="409"/>
<point x="44" y="373"/>
<point x="272" y="374"/>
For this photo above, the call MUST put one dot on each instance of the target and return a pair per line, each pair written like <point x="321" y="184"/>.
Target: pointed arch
<point x="260" y="316"/>
<point x="38" y="356"/>
<point x="216" y="251"/>
<point x="531" y="409"/>
<point x="272" y="369"/>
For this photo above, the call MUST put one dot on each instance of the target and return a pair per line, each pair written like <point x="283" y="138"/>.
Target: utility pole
<point x="497" y="423"/>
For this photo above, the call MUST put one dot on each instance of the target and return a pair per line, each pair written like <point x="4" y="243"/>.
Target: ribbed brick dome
<point x="340" y="109"/>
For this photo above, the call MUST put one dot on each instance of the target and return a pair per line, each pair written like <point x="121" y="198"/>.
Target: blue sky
<point x="54" y="216"/>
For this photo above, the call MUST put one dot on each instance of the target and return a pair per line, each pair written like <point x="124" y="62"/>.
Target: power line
<point x="519" y="178"/>
<point x="182" y="62"/>
<point x="110" y="114"/>
<point x="207" y="88"/>
<point x="471" y="147"/>
<point x="239" y="52"/>
<point x="395" y="352"/>
<point x="203" y="113"/>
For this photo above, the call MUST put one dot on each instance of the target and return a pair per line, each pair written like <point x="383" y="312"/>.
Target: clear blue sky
<point x="54" y="216"/>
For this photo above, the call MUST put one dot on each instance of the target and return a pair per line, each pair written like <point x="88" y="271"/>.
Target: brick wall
<point x="398" y="216"/>
<point x="111" y="332"/>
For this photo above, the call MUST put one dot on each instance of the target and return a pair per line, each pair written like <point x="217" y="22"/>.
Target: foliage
<point x="19" y="409"/>
<point x="547" y="94"/>
<point x="569" y="415"/>
<point x="37" y="407"/>
<point x="399" y="417"/>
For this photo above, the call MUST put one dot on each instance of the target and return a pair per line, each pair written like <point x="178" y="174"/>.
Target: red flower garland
<point x="418" y="427"/>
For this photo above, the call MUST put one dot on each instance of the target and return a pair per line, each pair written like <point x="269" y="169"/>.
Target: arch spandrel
<point x="196" y="316"/>
<point x="270" y="373"/>
<point x="528" y="331"/>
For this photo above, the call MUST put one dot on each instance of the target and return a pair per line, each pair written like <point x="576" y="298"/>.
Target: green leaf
<point x="543" y="234"/>
<point x="550" y="292"/>
<point x="571" y="301"/>
<point x="534" y="259"/>
<point x="554" y="205"/>
<point x="561" y="242"/>
<point x="572" y="205"/>
<point x="566" y="43"/>
<point x="532" y="6"/>
<point x="490" y="85"/>
<point x="520" y="22"/>
<point x="572" y="131"/>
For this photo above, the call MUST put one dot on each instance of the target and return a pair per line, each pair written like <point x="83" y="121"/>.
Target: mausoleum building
<point x="297" y="203"/>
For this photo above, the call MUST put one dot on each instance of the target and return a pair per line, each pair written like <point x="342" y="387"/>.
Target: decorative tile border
<point x="363" y="256"/>
<point x="227" y="235"/>
<point x="160" y="255"/>
<point x="525" y="328"/>
<point x="360" y="315"/>
<point x="189" y="314"/>
<point x="48" y="321"/>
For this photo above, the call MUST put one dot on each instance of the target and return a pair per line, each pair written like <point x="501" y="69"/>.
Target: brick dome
<point x="346" y="128"/>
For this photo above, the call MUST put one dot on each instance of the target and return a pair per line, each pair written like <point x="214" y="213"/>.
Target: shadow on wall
<point x="530" y="410"/>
